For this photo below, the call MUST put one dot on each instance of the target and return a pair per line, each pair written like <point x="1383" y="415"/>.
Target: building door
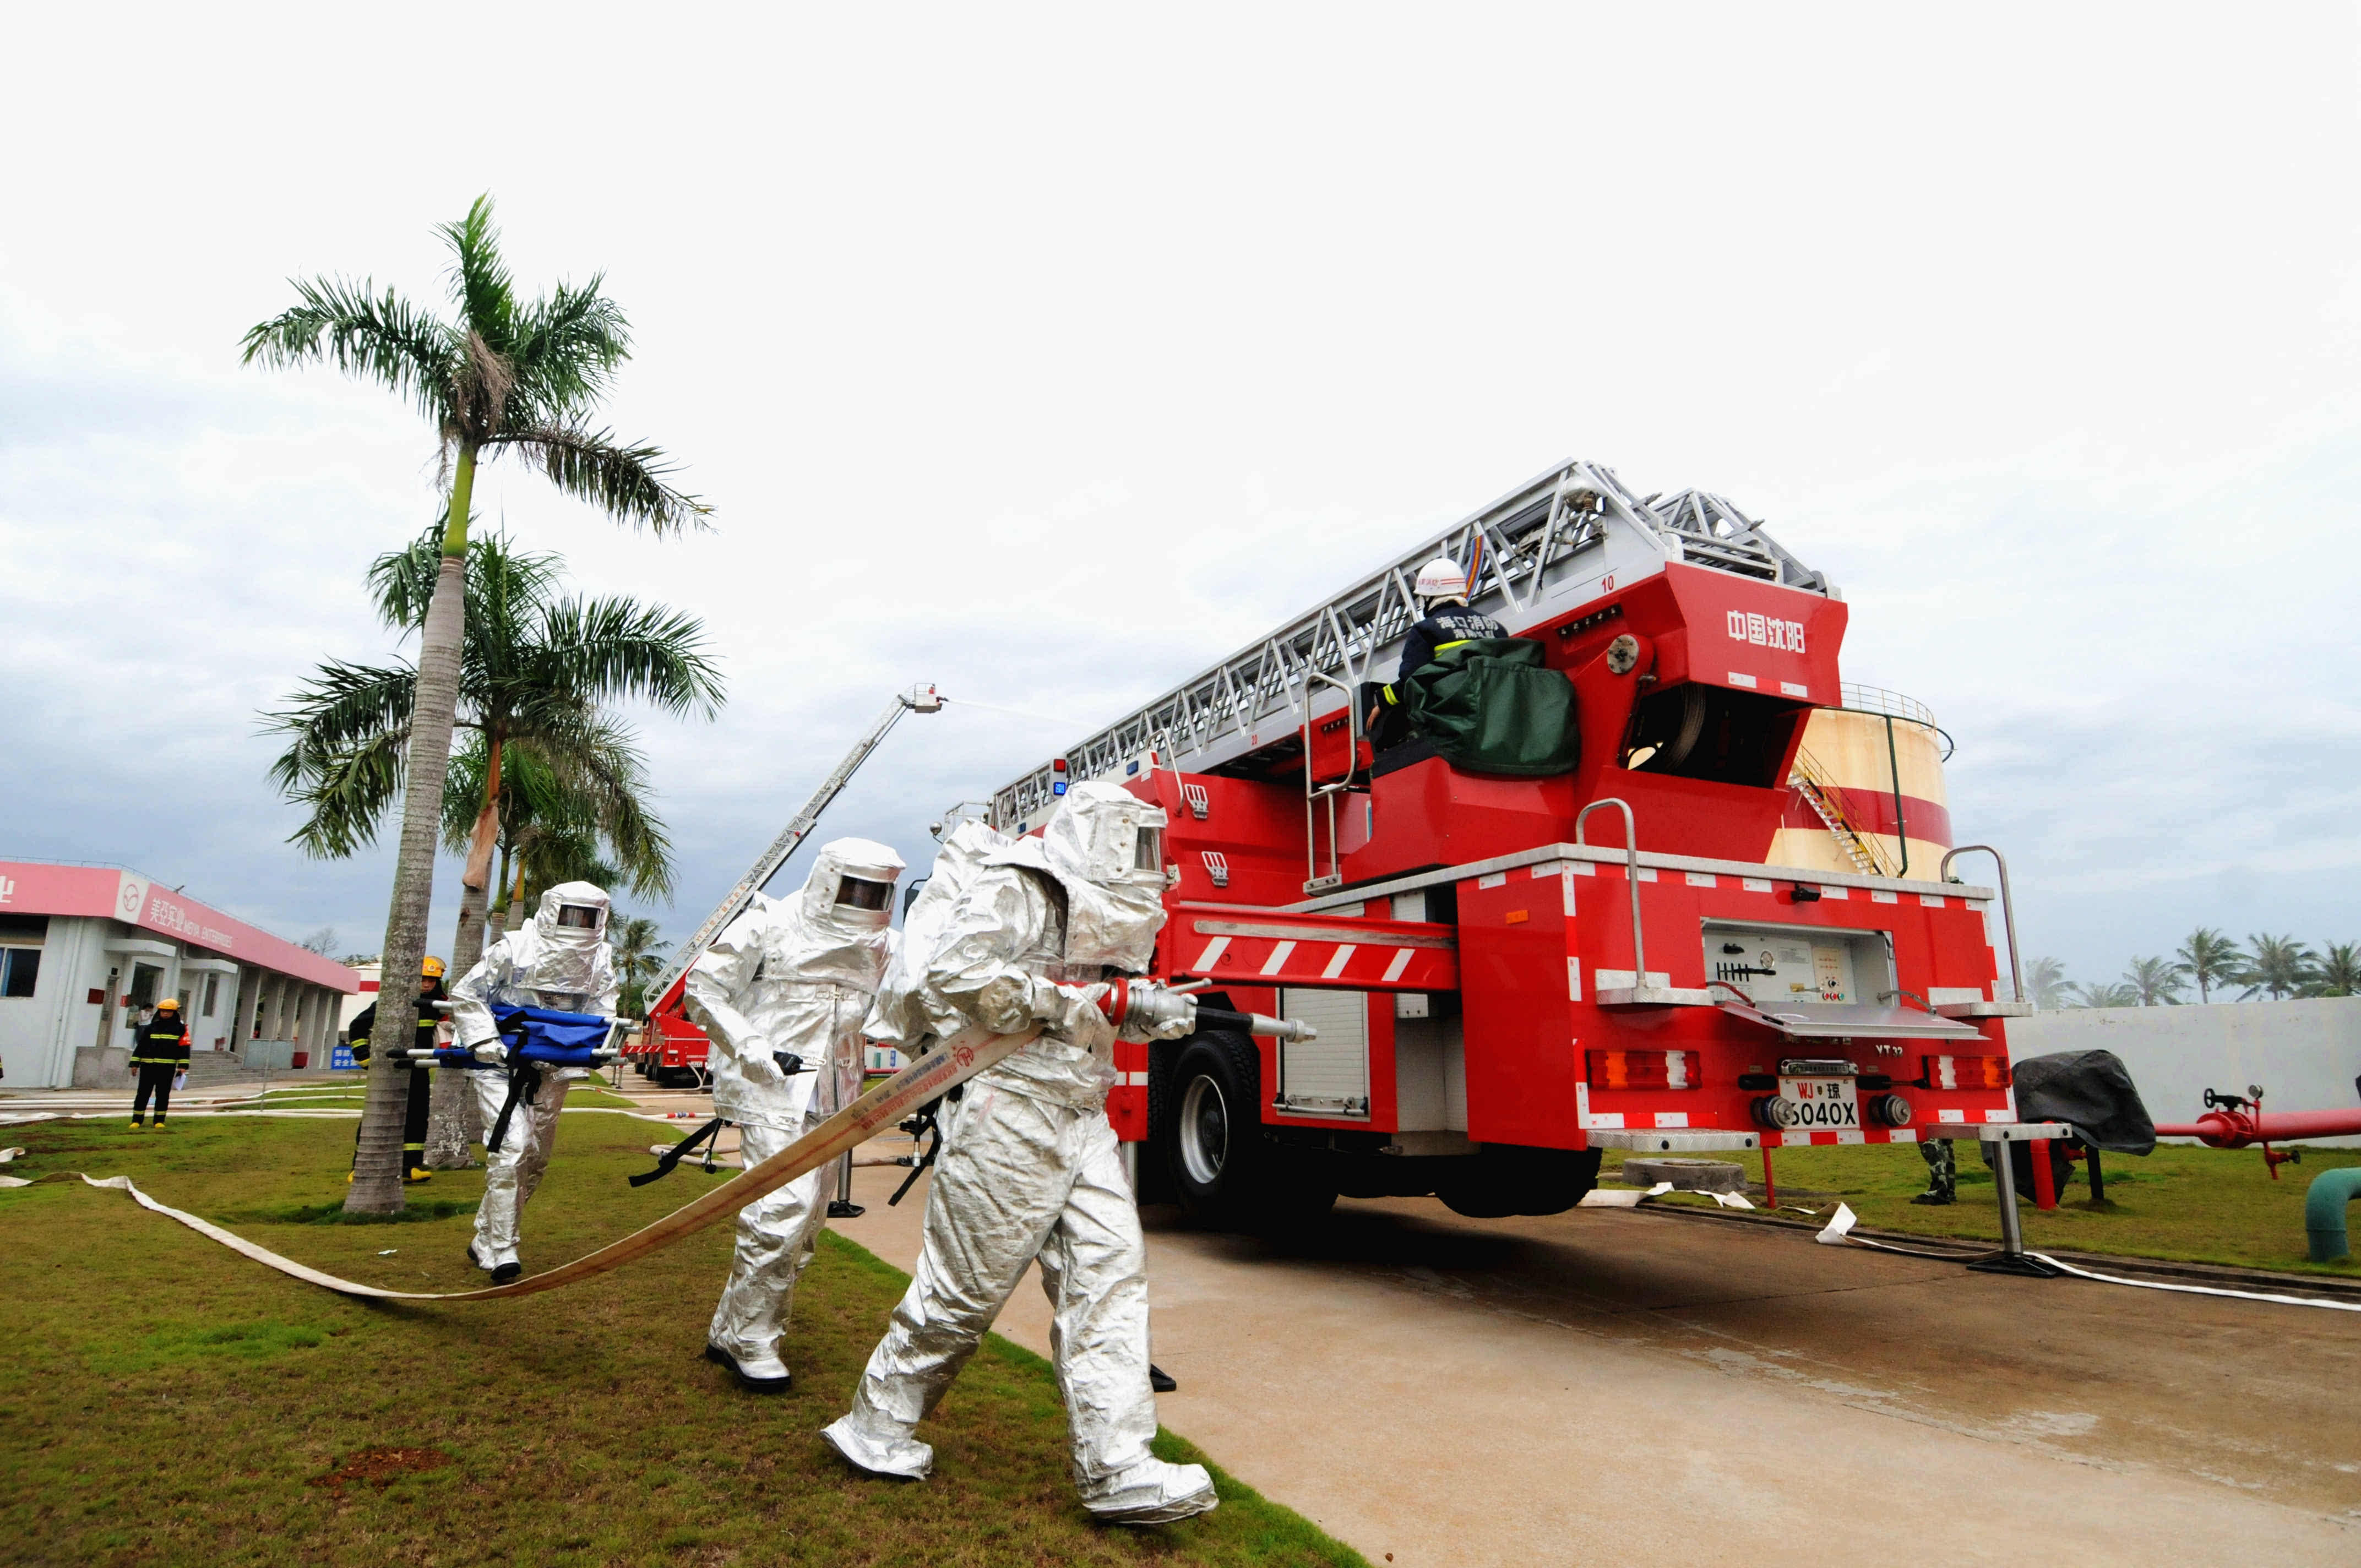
<point x="144" y="979"/>
<point x="106" y="1013"/>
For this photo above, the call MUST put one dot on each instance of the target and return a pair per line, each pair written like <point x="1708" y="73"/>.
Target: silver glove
<point x="1078" y="1018"/>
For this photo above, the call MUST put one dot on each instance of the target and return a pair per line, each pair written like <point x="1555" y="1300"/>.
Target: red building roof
<point x="30" y="887"/>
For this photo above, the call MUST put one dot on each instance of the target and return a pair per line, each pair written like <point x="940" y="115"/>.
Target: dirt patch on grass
<point x="379" y="1466"/>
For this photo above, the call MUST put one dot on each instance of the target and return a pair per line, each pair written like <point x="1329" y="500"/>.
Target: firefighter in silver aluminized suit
<point x="560" y="961"/>
<point x="1030" y="1168"/>
<point x="781" y="995"/>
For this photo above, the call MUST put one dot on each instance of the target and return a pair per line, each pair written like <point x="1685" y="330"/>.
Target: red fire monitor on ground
<point x="1510" y="974"/>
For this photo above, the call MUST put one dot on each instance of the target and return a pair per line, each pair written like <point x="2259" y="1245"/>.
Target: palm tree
<point x="2103" y="995"/>
<point x="2046" y="980"/>
<point x="2157" y="982"/>
<point x="639" y="958"/>
<point x="2338" y="973"/>
<point x="503" y="375"/>
<point x="2277" y="966"/>
<point x="2209" y="959"/>
<point x="573" y="819"/>
<point x="534" y="670"/>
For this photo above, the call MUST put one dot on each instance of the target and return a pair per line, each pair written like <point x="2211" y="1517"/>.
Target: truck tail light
<point x="1966" y="1072"/>
<point x="1643" y="1069"/>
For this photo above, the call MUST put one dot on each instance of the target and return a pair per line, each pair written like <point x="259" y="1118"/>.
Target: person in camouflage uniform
<point x="1942" y="1172"/>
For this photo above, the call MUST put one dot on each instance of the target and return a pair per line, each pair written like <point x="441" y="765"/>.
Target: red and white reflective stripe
<point x="1402" y="962"/>
<point x="1279" y="956"/>
<point x="1211" y="955"/>
<point x="1336" y="965"/>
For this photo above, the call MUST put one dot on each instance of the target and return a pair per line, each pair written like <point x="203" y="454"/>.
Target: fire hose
<point x="952" y="1063"/>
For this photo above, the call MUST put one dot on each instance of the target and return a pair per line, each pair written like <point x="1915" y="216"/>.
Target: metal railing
<point x="1631" y="877"/>
<point x="1877" y="699"/>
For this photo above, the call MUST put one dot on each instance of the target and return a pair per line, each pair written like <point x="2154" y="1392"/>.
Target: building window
<point x="20" y="969"/>
<point x="213" y="992"/>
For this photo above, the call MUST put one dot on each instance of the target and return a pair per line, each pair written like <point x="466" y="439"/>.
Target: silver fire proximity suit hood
<point x="1030" y="1169"/>
<point x="1105" y="847"/>
<point x="791" y="976"/>
<point x="561" y="961"/>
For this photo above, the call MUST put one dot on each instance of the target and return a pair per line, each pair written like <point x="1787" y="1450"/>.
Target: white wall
<point x="2305" y="1053"/>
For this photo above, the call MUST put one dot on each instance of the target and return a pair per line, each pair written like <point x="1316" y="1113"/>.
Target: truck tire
<point x="1225" y="1173"/>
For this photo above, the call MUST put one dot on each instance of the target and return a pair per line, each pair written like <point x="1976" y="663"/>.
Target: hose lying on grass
<point x="949" y="1065"/>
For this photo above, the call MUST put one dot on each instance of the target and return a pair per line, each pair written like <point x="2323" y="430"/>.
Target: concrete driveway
<point x="1626" y="1386"/>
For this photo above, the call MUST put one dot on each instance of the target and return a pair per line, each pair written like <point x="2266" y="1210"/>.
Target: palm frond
<point x="480" y="284"/>
<point x="627" y="483"/>
<point x="346" y="794"/>
<point x="403" y="581"/>
<point x="463" y="791"/>
<point x="376" y="338"/>
<point x="565" y="351"/>
<point x="618" y="647"/>
<point x="344" y="707"/>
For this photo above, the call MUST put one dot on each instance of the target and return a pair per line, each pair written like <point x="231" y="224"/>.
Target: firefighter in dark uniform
<point x="413" y="1120"/>
<point x="1442" y="590"/>
<point x="159" y="1049"/>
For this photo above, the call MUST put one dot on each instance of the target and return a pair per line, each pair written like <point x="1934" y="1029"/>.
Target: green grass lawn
<point x="2185" y="1203"/>
<point x="164" y="1400"/>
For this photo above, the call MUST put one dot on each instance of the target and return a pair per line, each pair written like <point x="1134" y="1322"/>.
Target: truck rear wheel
<point x="1226" y="1174"/>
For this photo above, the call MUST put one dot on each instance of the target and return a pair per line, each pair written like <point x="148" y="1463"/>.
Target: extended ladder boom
<point x="918" y="699"/>
<point x="1565" y="538"/>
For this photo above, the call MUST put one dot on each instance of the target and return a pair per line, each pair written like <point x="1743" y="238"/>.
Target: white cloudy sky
<point x="1048" y="354"/>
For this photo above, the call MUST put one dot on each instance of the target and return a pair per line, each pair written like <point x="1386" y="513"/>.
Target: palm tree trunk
<point x="451" y="1119"/>
<point x="377" y="1164"/>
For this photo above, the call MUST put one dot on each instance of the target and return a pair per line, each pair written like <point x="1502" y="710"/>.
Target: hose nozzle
<point x="1269" y="1029"/>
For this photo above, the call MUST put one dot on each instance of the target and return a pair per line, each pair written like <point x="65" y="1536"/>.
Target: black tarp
<point x="2093" y="1091"/>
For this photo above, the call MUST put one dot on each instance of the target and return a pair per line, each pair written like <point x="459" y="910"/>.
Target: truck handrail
<point x="1630" y="878"/>
<point x="2007" y="910"/>
<point x="1314" y="791"/>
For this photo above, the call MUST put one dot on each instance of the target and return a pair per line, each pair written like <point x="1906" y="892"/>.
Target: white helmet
<point x="1442" y="578"/>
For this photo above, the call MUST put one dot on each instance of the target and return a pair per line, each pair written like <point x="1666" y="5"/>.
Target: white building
<point x="83" y="949"/>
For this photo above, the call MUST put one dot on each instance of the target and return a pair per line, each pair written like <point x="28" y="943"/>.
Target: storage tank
<point x="1866" y="794"/>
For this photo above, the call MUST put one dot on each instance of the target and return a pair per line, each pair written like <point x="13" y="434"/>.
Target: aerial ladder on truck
<point x="673" y="1045"/>
<point x="1509" y="975"/>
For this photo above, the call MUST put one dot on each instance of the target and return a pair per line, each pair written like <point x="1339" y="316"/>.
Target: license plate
<point x="1822" y="1105"/>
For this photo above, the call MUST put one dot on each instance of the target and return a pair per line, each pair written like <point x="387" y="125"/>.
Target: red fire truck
<point x="1509" y="975"/>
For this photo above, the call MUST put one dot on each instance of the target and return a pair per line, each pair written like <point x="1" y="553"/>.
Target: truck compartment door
<point x="1329" y="1076"/>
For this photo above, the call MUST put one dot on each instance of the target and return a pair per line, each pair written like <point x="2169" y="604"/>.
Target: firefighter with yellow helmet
<point x="413" y="1120"/>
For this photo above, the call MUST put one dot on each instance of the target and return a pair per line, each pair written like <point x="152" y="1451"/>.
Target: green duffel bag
<point x="1492" y="707"/>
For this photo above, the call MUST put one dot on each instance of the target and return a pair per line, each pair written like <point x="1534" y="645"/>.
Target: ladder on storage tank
<point x="1811" y="784"/>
